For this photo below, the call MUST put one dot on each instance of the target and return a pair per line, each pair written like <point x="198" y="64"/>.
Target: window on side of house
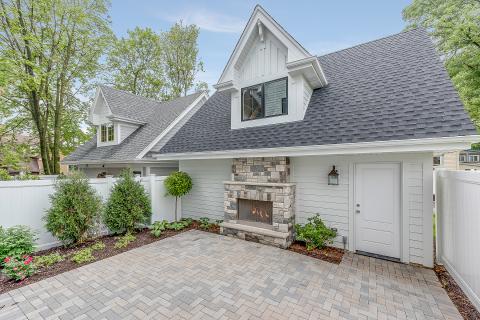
<point x="265" y="100"/>
<point x="107" y="133"/>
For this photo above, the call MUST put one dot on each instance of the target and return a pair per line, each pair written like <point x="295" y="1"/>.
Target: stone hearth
<point x="261" y="179"/>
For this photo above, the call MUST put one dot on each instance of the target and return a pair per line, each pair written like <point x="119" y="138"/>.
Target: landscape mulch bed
<point x="329" y="254"/>
<point x="459" y="299"/>
<point x="143" y="237"/>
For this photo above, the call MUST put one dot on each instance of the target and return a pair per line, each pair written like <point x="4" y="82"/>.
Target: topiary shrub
<point x="75" y="210"/>
<point x="128" y="205"/>
<point x="178" y="184"/>
<point x="315" y="233"/>
<point x="16" y="241"/>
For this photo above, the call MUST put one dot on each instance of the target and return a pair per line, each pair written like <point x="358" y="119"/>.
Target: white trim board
<point x="392" y="146"/>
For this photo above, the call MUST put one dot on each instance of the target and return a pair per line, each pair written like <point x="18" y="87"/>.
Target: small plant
<point x="315" y="233"/>
<point x="217" y="222"/>
<point x="186" y="221"/>
<point x="28" y="176"/>
<point x="98" y="246"/>
<point x="128" y="205"/>
<point x="16" y="241"/>
<point x="124" y="241"/>
<point x="176" y="226"/>
<point x="75" y="209"/>
<point x="158" y="227"/>
<point x="18" y="269"/>
<point x="4" y="176"/>
<point x="205" y="223"/>
<point x="82" y="256"/>
<point x="178" y="184"/>
<point x="47" y="260"/>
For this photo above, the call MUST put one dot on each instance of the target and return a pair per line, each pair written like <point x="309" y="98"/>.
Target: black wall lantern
<point x="333" y="177"/>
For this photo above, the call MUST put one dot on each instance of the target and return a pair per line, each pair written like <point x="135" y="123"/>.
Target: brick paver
<point x="197" y="275"/>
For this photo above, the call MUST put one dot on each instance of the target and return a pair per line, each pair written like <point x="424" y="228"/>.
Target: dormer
<point x="112" y="127"/>
<point x="269" y="75"/>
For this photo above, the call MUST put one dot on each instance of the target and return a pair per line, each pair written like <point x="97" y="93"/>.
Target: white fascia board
<point x="98" y="95"/>
<point x="132" y="161"/>
<point x="259" y="14"/>
<point x="127" y="120"/>
<point x="393" y="146"/>
<point x="202" y="98"/>
<point x="225" y="86"/>
<point x="310" y="68"/>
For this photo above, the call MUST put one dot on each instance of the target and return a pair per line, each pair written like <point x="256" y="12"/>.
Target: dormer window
<point x="107" y="132"/>
<point x="265" y="100"/>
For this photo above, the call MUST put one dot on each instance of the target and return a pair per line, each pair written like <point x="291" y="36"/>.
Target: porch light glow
<point x="333" y="177"/>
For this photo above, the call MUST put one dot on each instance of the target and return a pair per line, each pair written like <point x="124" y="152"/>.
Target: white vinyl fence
<point x="25" y="203"/>
<point x="458" y="228"/>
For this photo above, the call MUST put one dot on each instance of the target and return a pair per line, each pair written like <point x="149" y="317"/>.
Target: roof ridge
<point x="374" y="40"/>
<point x="150" y="99"/>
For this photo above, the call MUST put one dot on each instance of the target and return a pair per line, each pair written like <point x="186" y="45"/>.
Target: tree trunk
<point x="176" y="200"/>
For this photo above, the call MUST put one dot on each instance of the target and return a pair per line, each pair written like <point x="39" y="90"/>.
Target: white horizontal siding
<point x="206" y="197"/>
<point x="314" y="195"/>
<point x="126" y="129"/>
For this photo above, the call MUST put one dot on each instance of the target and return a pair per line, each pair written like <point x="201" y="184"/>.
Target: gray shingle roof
<point x="156" y="115"/>
<point x="393" y="88"/>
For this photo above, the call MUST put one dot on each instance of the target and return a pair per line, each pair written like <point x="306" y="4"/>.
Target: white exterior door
<point x="377" y="208"/>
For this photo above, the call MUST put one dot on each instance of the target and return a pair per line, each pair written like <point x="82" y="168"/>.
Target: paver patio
<point x="197" y="275"/>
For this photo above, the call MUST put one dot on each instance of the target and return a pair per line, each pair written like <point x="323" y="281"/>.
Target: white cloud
<point x="208" y="20"/>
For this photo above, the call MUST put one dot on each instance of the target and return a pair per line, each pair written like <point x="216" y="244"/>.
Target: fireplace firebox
<point x="255" y="210"/>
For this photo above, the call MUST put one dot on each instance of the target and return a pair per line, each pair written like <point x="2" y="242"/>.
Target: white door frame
<point x="403" y="228"/>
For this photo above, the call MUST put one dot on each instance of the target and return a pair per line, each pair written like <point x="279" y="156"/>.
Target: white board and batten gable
<point x="266" y="52"/>
<point x="101" y="114"/>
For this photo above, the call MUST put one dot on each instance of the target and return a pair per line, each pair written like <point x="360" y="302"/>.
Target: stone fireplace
<point x="259" y="201"/>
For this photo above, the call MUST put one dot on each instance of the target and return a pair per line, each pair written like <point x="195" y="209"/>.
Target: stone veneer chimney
<point x="261" y="179"/>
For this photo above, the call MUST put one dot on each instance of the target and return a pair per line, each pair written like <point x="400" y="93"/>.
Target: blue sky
<point x="320" y="26"/>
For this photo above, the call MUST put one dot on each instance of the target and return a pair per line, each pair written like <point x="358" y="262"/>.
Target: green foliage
<point x="181" y="57"/>
<point x="98" y="246"/>
<point x="47" y="260"/>
<point x="84" y="255"/>
<point x="17" y="268"/>
<point x="205" y="223"/>
<point x="158" y="227"/>
<point x="455" y="27"/>
<point x="28" y="176"/>
<point x="4" y="176"/>
<point x="178" y="184"/>
<point x="75" y="209"/>
<point x="48" y="46"/>
<point x="315" y="233"/>
<point x="186" y="221"/>
<point x="16" y="241"/>
<point x="128" y="205"/>
<point x="136" y="64"/>
<point x="217" y="222"/>
<point x="124" y="240"/>
<point x="178" y="225"/>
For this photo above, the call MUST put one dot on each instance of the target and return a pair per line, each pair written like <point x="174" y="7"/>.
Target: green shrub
<point x="98" y="246"/>
<point x="28" y="176"/>
<point x="177" y="225"/>
<point x="158" y="227"/>
<point x="47" y="260"/>
<point x="84" y="255"/>
<point x="16" y="242"/>
<point x="75" y="210"/>
<point x="4" y="176"/>
<point x="315" y="233"/>
<point x="205" y="223"/>
<point x="17" y="268"/>
<point x="186" y="221"/>
<point x="178" y="184"/>
<point x="128" y="205"/>
<point x="124" y="240"/>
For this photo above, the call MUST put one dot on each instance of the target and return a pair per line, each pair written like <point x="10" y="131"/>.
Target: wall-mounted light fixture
<point x="333" y="177"/>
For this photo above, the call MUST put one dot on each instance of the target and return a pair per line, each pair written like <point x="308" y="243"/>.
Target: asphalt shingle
<point x="392" y="88"/>
<point x="156" y="115"/>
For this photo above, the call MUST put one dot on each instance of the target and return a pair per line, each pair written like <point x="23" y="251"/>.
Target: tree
<point x="178" y="184"/>
<point x="136" y="64"/>
<point x="53" y="49"/>
<point x="127" y="206"/>
<point x="181" y="58"/>
<point x="455" y="27"/>
<point x="75" y="209"/>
